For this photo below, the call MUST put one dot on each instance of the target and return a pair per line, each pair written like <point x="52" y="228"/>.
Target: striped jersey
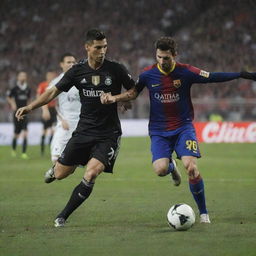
<point x="170" y="98"/>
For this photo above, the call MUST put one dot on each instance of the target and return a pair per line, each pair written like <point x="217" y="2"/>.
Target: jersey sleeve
<point x="29" y="93"/>
<point x="140" y="83"/>
<point x="126" y="78"/>
<point x="200" y="76"/>
<point x="9" y="93"/>
<point x="67" y="81"/>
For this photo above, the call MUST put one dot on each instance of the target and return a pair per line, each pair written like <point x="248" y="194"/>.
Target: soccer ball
<point x="181" y="217"/>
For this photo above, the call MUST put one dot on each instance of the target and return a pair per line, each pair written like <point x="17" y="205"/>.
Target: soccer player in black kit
<point x="95" y="142"/>
<point x="18" y="97"/>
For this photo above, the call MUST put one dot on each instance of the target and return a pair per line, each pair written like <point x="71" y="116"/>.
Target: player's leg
<point x="188" y="151"/>
<point x="17" y="130"/>
<point x="196" y="185"/>
<point x="163" y="164"/>
<point x="59" y="141"/>
<point x="14" y="144"/>
<point x="24" y="135"/>
<point x="42" y="144"/>
<point x="52" y="123"/>
<point x="81" y="192"/>
<point x="103" y="153"/>
<point x="24" y="145"/>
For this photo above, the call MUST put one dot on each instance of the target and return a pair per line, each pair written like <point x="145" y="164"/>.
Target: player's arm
<point x="43" y="99"/>
<point x="108" y="98"/>
<point x="131" y="94"/>
<point x="248" y="75"/>
<point x="64" y="122"/>
<point x="45" y="113"/>
<point x="201" y="76"/>
<point x="216" y="77"/>
<point x="12" y="103"/>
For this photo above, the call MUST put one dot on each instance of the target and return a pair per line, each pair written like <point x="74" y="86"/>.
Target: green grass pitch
<point x="126" y="213"/>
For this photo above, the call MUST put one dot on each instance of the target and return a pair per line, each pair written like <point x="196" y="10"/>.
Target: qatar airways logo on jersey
<point x="167" y="97"/>
<point x="92" y="93"/>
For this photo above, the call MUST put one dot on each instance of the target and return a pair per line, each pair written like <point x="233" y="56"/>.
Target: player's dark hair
<point x="166" y="43"/>
<point x="94" y="34"/>
<point x="67" y="54"/>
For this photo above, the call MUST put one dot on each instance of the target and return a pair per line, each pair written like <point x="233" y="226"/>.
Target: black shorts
<point x="80" y="149"/>
<point x="53" y="118"/>
<point x="20" y="125"/>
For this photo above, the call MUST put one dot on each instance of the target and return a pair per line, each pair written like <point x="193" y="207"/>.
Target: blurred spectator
<point x="213" y="35"/>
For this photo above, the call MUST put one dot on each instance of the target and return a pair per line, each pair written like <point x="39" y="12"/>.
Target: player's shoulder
<point x="77" y="66"/>
<point x="186" y="67"/>
<point x="55" y="80"/>
<point x="180" y="65"/>
<point x="42" y="85"/>
<point x="113" y="63"/>
<point x="148" y="70"/>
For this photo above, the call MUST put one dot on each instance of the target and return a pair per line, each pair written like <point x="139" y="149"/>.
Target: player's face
<point x="97" y="50"/>
<point x="67" y="63"/>
<point x="165" y="59"/>
<point x="50" y="76"/>
<point x="22" y="77"/>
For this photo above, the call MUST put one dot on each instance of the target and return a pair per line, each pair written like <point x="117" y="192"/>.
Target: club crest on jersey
<point x="108" y="80"/>
<point x="95" y="80"/>
<point x="204" y="73"/>
<point x="177" y="83"/>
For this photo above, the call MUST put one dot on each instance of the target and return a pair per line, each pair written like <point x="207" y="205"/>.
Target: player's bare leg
<point x="164" y="166"/>
<point x="196" y="186"/>
<point x="58" y="171"/>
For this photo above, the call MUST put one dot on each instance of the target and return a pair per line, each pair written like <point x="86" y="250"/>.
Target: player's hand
<point x="21" y="112"/>
<point x="65" y="125"/>
<point x="248" y="75"/>
<point x="107" y="98"/>
<point x="124" y="106"/>
<point x="46" y="115"/>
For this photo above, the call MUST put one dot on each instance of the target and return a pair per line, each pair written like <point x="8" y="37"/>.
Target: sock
<point x="50" y="139"/>
<point x="42" y="144"/>
<point x="81" y="192"/>
<point x="14" y="143"/>
<point x="170" y="168"/>
<point x="196" y="186"/>
<point x="24" y="145"/>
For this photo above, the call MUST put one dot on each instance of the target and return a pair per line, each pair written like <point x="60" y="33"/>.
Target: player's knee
<point x="54" y="159"/>
<point x="160" y="170"/>
<point x="191" y="168"/>
<point x="91" y="174"/>
<point x="61" y="172"/>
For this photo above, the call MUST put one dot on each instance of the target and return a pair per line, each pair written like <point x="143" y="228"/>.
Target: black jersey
<point x="95" y="118"/>
<point x="20" y="95"/>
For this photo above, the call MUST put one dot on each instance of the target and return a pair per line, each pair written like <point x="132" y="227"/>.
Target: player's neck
<point x="94" y="65"/>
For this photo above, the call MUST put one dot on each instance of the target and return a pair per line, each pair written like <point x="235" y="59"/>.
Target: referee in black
<point x="17" y="97"/>
<point x="95" y="142"/>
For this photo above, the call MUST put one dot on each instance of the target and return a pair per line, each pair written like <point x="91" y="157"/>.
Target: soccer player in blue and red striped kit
<point x="171" y="114"/>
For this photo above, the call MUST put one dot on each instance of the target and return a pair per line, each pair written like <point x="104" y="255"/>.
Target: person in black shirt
<point x="18" y="97"/>
<point x="95" y="142"/>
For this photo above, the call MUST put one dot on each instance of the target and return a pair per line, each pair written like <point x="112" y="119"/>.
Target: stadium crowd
<point x="212" y="35"/>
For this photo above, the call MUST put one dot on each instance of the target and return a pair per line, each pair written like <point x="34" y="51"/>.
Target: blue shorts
<point x="184" y="143"/>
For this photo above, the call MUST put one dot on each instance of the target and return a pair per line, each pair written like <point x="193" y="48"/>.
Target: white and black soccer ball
<point x="181" y="217"/>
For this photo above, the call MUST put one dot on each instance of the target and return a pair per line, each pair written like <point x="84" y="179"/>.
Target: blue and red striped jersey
<point x="170" y="99"/>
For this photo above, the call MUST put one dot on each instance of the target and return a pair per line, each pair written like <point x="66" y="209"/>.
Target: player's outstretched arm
<point x="43" y="99"/>
<point x="248" y="75"/>
<point x="108" y="98"/>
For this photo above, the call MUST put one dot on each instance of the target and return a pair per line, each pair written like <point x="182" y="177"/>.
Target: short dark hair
<point x="94" y="34"/>
<point x="67" y="54"/>
<point x="167" y="43"/>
